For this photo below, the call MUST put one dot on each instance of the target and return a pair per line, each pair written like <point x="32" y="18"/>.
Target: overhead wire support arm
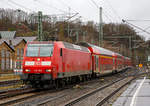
<point x="113" y="37"/>
<point x="63" y="21"/>
<point x="123" y="37"/>
<point x="135" y="26"/>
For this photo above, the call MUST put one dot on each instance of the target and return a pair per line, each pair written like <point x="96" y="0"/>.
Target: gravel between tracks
<point x="67" y="95"/>
<point x="94" y="99"/>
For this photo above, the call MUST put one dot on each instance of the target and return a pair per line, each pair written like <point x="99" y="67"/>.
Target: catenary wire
<point x="50" y="6"/>
<point x="103" y="12"/>
<point x="109" y="11"/>
<point x="19" y="5"/>
<point x="116" y="14"/>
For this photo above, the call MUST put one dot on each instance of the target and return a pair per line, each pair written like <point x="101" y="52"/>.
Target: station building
<point x="11" y="51"/>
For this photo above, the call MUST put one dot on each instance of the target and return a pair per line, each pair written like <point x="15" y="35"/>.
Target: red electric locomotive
<point x="48" y="63"/>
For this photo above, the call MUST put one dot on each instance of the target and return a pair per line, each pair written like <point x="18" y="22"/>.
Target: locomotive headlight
<point x="49" y="70"/>
<point x="27" y="70"/>
<point x="46" y="63"/>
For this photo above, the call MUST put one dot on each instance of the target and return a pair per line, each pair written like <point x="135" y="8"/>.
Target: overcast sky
<point x="113" y="10"/>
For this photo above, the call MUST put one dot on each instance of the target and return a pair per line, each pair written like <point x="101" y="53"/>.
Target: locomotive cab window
<point x="34" y="50"/>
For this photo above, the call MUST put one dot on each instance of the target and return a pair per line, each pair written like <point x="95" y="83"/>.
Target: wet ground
<point x="137" y="94"/>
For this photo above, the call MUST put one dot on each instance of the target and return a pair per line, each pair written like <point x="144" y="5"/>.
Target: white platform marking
<point x="137" y="91"/>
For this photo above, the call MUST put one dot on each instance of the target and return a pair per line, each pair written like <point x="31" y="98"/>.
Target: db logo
<point x="37" y="63"/>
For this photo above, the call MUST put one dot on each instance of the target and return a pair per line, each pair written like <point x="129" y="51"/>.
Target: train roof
<point x="40" y="42"/>
<point x="97" y="49"/>
<point x="127" y="58"/>
<point x="117" y="54"/>
<point x="62" y="44"/>
<point x="102" y="50"/>
<point x="75" y="47"/>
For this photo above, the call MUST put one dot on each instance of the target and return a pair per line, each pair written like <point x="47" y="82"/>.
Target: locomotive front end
<point x="37" y="62"/>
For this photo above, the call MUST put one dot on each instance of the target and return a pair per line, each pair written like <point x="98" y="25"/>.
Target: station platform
<point x="137" y="94"/>
<point x="6" y="82"/>
<point x="9" y="77"/>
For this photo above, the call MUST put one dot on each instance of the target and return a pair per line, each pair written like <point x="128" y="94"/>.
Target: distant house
<point x="11" y="51"/>
<point x="6" y="57"/>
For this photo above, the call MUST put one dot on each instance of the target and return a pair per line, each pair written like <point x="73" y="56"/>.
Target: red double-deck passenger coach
<point x="103" y="60"/>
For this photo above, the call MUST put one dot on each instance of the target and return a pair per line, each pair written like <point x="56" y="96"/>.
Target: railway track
<point x="15" y="96"/>
<point x="8" y="83"/>
<point x="106" y="98"/>
<point x="29" y="94"/>
<point x="12" y="93"/>
<point x="18" y="96"/>
<point x="76" y="100"/>
<point x="56" y="98"/>
<point x="33" y="94"/>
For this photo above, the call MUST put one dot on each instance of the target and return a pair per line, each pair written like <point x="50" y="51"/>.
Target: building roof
<point x="15" y="41"/>
<point x="7" y="45"/>
<point x="28" y="39"/>
<point x="7" y="34"/>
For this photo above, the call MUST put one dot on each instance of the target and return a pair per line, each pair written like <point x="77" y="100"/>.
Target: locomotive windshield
<point x="43" y="50"/>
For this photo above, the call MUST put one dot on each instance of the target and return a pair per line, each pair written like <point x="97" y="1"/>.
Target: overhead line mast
<point x="40" y="38"/>
<point x="100" y="28"/>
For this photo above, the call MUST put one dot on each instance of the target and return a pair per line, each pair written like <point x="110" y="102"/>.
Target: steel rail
<point x="40" y="93"/>
<point x="13" y="93"/>
<point x="22" y="98"/>
<point x="9" y="82"/>
<point x="49" y="100"/>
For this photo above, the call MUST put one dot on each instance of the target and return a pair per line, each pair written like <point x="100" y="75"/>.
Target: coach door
<point x="100" y="64"/>
<point x="114" y="63"/>
<point x="96" y="64"/>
